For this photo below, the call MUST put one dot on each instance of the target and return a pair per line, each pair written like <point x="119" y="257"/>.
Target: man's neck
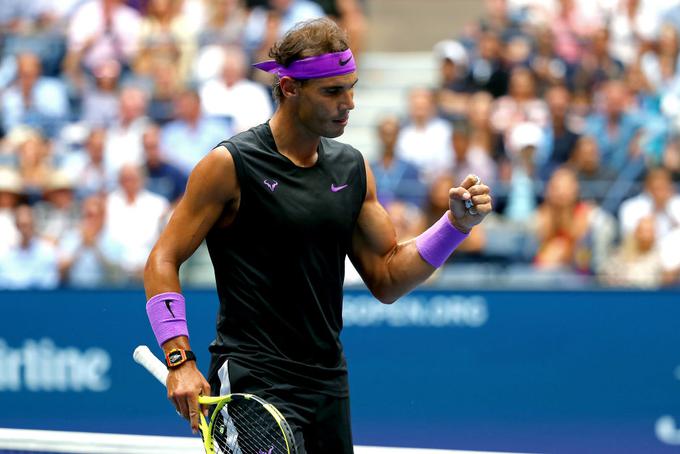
<point x="293" y="140"/>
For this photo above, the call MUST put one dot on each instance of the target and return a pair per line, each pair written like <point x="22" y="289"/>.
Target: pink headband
<point x="326" y="65"/>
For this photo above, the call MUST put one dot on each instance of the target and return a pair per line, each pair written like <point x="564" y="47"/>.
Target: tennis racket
<point x="238" y="423"/>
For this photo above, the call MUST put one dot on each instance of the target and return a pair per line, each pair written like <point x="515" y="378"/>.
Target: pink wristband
<point x="167" y="314"/>
<point x="439" y="241"/>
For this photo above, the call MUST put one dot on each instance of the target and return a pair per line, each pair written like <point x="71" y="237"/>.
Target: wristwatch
<point x="177" y="356"/>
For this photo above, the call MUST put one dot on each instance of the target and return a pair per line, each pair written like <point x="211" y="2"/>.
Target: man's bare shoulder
<point x="215" y="174"/>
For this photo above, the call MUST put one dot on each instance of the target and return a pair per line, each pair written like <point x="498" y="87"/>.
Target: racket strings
<point x="246" y="427"/>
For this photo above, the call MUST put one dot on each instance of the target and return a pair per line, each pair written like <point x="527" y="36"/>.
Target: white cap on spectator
<point x="10" y="181"/>
<point x="525" y="135"/>
<point x="59" y="180"/>
<point x="451" y="50"/>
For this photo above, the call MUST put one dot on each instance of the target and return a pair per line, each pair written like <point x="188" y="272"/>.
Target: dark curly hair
<point x="307" y="39"/>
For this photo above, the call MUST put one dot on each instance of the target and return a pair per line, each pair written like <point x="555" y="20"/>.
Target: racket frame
<point x="143" y="356"/>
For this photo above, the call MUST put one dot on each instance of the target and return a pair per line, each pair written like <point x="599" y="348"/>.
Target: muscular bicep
<point x="212" y="188"/>
<point x="374" y="238"/>
<point x="389" y="269"/>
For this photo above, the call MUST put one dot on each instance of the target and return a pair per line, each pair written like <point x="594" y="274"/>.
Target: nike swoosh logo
<point x="167" y="304"/>
<point x="335" y="188"/>
<point x="344" y="62"/>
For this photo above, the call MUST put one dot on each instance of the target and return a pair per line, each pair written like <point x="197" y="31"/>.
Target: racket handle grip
<point x="142" y="355"/>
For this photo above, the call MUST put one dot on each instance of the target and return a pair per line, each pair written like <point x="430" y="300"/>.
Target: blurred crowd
<point x="106" y="106"/>
<point x="568" y="109"/>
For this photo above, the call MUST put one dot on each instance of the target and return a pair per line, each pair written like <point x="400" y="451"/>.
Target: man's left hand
<point x="473" y="190"/>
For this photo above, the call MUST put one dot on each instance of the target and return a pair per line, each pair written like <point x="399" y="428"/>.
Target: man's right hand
<point x="185" y="383"/>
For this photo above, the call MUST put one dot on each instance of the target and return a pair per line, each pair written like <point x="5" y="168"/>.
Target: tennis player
<point x="280" y="206"/>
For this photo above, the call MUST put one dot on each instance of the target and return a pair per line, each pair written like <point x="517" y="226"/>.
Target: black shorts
<point x="320" y="422"/>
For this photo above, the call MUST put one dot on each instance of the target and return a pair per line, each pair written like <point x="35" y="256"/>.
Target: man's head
<point x="151" y="142"/>
<point x="94" y="144"/>
<point x="388" y="131"/>
<point x="235" y="65"/>
<point x="307" y="39"/>
<point x="188" y="106"/>
<point x="321" y="105"/>
<point x="132" y="104"/>
<point x="23" y="218"/>
<point x="421" y="105"/>
<point x="29" y="69"/>
<point x="563" y="190"/>
<point x="558" y="99"/>
<point x="659" y="185"/>
<point x="131" y="180"/>
<point x="460" y="139"/>
<point x="586" y="155"/>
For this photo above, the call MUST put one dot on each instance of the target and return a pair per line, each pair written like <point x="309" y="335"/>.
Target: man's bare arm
<point x="392" y="269"/>
<point x="211" y="189"/>
<point x="212" y="194"/>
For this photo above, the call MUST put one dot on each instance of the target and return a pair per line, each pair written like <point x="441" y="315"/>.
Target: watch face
<point x="175" y="357"/>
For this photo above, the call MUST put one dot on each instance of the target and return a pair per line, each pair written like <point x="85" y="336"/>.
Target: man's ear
<point x="290" y="87"/>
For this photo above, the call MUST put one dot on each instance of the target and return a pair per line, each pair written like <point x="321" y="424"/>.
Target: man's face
<point x="323" y="105"/>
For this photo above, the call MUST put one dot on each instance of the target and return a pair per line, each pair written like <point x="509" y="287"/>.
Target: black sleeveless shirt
<point x="279" y="266"/>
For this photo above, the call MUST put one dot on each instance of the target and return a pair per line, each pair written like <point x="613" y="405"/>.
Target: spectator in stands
<point x="165" y="35"/>
<point x="266" y="24"/>
<point x="658" y="199"/>
<point x="349" y="14"/>
<point x="232" y="96"/>
<point x="614" y="125"/>
<point x="99" y="102"/>
<point x="571" y="26"/>
<point x="10" y="196"/>
<point x="470" y="159"/>
<point x="186" y="139"/>
<point x="134" y="217"/>
<point x="34" y="163"/>
<point x="560" y="136"/>
<point x="487" y="70"/>
<point x="660" y="62"/>
<point x="101" y="30"/>
<point x="87" y="168"/>
<point x="593" y="178"/>
<point x="549" y="68"/>
<point x="425" y="139"/>
<point x="637" y="262"/>
<point x="626" y="25"/>
<point x="523" y="185"/>
<point x="32" y="262"/>
<point x="596" y="66"/>
<point x="482" y="134"/>
<point x="224" y="24"/>
<point x="454" y="86"/>
<point x="572" y="235"/>
<point x="166" y="87"/>
<point x="33" y="99"/>
<point x="87" y="256"/>
<point x="521" y="104"/>
<point x="395" y="178"/>
<point x="162" y="178"/>
<point x="124" y="137"/>
<point x="58" y="212"/>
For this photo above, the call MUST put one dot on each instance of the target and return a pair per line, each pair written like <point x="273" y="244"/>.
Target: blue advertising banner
<point x="509" y="371"/>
